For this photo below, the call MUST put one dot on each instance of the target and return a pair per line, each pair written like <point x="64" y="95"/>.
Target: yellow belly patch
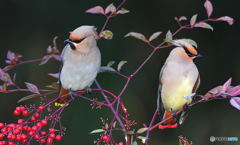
<point x="173" y="96"/>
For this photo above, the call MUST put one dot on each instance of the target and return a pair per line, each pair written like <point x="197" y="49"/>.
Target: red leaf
<point x="45" y="59"/>
<point x="110" y="8"/>
<point x="54" y="75"/>
<point x="209" y="8"/>
<point x="235" y="102"/>
<point x="32" y="88"/>
<point x="204" y="25"/>
<point x="227" y="19"/>
<point x="95" y="10"/>
<point x="227" y="84"/>
<point x="193" y="19"/>
<point x="213" y="92"/>
<point x="234" y="91"/>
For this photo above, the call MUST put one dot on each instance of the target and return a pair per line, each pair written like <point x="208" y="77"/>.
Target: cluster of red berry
<point x="26" y="130"/>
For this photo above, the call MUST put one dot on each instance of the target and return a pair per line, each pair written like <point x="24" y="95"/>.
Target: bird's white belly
<point x="78" y="77"/>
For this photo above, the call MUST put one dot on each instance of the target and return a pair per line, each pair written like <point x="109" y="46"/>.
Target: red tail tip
<point x="168" y="126"/>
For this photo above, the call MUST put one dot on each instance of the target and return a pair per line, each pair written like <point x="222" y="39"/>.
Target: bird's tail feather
<point x="63" y="95"/>
<point x="169" y="121"/>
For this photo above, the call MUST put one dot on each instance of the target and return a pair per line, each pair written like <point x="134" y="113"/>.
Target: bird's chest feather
<point x="79" y="73"/>
<point x="176" y="84"/>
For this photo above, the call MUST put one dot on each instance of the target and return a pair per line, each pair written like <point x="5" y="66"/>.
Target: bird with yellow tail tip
<point x="179" y="78"/>
<point x="81" y="61"/>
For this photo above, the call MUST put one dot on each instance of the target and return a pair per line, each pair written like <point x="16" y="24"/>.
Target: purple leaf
<point x="54" y="75"/>
<point x="193" y="19"/>
<point x="56" y="57"/>
<point x="5" y="77"/>
<point x="169" y="36"/>
<point x="235" y="102"/>
<point x="213" y="92"/>
<point x="234" y="91"/>
<point x="182" y="18"/>
<point x="137" y="36"/>
<point x="45" y="59"/>
<point x="12" y="58"/>
<point x="110" y="8"/>
<point x="204" y="25"/>
<point x="95" y="10"/>
<point x="154" y="36"/>
<point x="227" y="19"/>
<point x="227" y="84"/>
<point x="10" y="55"/>
<point x="32" y="88"/>
<point x="209" y="8"/>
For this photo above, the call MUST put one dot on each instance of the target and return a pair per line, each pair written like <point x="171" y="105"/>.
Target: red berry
<point x="40" y="108"/>
<point x="24" y="141"/>
<point x="120" y="143"/>
<point x="43" y="133"/>
<point x="20" y="121"/>
<point x="10" y="143"/>
<point x="1" y="136"/>
<point x="36" y="115"/>
<point x="39" y="124"/>
<point x="25" y="113"/>
<point x="29" y="128"/>
<point x="13" y="137"/>
<point x="58" y="137"/>
<point x="42" y="141"/>
<point x="9" y="136"/>
<point x="31" y="133"/>
<point x="22" y="108"/>
<point x="34" y="128"/>
<point x="49" y="141"/>
<point x="16" y="131"/>
<point x="36" y="137"/>
<point x="23" y="136"/>
<point x="11" y="125"/>
<point x="44" y="122"/>
<point x="33" y="118"/>
<point x="1" y="125"/>
<point x="16" y="113"/>
<point x="52" y="130"/>
<point x="18" y="138"/>
<point x="25" y="128"/>
<point x="18" y="109"/>
<point x="106" y="138"/>
<point x="52" y="135"/>
<point x="4" y="130"/>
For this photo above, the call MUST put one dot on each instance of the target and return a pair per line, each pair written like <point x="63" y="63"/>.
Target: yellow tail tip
<point x="56" y="104"/>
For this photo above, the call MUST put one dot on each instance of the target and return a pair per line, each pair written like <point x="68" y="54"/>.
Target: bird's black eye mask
<point x="77" y="41"/>
<point x="71" y="43"/>
<point x="188" y="52"/>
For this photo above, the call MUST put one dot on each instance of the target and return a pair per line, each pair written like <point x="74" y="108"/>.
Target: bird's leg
<point x="89" y="90"/>
<point x="71" y="94"/>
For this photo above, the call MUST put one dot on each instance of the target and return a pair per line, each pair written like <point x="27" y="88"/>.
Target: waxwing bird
<point x="179" y="77"/>
<point x="81" y="61"/>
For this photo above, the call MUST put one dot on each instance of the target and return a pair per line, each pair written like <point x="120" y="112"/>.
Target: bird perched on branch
<point x="179" y="79"/>
<point x="81" y="61"/>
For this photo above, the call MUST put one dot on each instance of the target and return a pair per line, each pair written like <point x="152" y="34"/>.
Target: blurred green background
<point x="28" y="27"/>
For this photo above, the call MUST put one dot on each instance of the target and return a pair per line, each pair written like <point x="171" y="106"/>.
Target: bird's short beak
<point x="199" y="55"/>
<point x="72" y="45"/>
